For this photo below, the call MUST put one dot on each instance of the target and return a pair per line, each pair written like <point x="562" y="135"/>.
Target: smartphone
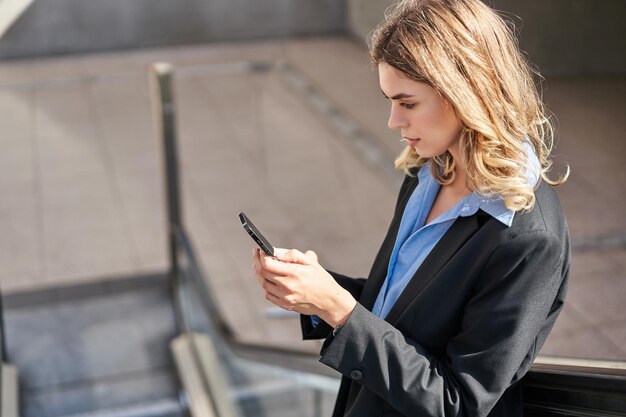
<point x="256" y="235"/>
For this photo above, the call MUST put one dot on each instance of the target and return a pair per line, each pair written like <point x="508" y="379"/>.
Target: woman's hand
<point x="295" y="281"/>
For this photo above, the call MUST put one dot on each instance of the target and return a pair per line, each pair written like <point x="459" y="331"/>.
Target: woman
<point x="472" y="274"/>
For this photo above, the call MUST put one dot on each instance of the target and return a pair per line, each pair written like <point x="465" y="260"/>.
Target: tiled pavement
<point x="80" y="175"/>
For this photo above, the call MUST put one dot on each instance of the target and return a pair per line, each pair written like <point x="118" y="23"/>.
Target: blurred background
<point x="279" y="114"/>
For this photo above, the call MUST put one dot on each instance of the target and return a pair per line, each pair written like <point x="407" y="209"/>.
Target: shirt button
<point x="356" y="374"/>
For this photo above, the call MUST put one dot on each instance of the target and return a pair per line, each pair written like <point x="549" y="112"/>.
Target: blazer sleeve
<point x="353" y="285"/>
<point x="513" y="297"/>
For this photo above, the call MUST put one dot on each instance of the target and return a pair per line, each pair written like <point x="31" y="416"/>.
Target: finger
<point x="257" y="275"/>
<point x="311" y="255"/>
<point x="269" y="276"/>
<point x="263" y="264"/>
<point x="279" y="251"/>
<point x="256" y="257"/>
<point x="277" y="301"/>
<point x="271" y="287"/>
<point x="257" y="266"/>
<point x="269" y="268"/>
<point x="276" y="266"/>
<point x="293" y="256"/>
<point x="261" y="274"/>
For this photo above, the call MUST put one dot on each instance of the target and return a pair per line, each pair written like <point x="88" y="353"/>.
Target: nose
<point x="396" y="119"/>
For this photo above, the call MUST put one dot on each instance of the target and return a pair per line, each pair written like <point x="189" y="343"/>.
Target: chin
<point x="428" y="153"/>
<point x="423" y="153"/>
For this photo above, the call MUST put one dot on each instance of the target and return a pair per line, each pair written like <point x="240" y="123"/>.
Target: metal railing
<point x="553" y="386"/>
<point x="2" y="354"/>
<point x="557" y="386"/>
<point x="8" y="376"/>
<point x="194" y="353"/>
<point x="3" y="347"/>
<point x="206" y="340"/>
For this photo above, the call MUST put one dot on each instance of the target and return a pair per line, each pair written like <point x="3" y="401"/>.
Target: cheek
<point x="431" y="118"/>
<point x="440" y="118"/>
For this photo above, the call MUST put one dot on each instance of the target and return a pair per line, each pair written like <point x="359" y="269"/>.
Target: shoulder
<point x="541" y="232"/>
<point x="546" y="216"/>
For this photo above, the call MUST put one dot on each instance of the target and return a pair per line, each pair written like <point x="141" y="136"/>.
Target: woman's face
<point x="426" y="120"/>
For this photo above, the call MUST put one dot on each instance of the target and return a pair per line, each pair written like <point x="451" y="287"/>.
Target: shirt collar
<point x="494" y="206"/>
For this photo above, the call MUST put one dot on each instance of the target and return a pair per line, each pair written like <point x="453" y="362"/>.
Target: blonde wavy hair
<point x="469" y="55"/>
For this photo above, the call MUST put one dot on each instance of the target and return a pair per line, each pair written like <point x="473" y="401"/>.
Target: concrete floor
<point x="80" y="175"/>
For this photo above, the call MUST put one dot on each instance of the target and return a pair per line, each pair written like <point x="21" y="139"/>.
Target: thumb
<point x="311" y="255"/>
<point x="293" y="256"/>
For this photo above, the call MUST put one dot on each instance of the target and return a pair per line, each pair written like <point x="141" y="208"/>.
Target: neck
<point x="460" y="181"/>
<point x="460" y="171"/>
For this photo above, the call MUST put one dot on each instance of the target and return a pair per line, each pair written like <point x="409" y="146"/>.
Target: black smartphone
<point x="256" y="235"/>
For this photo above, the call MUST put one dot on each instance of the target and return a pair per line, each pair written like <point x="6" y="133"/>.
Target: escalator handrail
<point x="3" y="347"/>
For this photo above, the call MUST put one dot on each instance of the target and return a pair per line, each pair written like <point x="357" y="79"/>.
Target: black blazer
<point x="466" y="328"/>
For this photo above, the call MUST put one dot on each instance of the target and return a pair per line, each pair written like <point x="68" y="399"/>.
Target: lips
<point x="411" y="142"/>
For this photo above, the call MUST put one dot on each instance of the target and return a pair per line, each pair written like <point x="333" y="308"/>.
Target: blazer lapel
<point x="379" y="268"/>
<point x="460" y="231"/>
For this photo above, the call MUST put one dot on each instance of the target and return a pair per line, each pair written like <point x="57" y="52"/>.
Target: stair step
<point x="8" y="390"/>
<point x="266" y="389"/>
<point x="161" y="408"/>
<point x="92" y="346"/>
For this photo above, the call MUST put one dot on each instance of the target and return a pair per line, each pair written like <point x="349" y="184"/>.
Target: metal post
<point x="3" y="345"/>
<point x="3" y="352"/>
<point x="317" y="402"/>
<point x="160" y="76"/>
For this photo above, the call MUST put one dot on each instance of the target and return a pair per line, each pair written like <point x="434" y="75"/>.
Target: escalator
<point x="95" y="346"/>
<point x="113" y="349"/>
<point x="144" y="346"/>
<point x="157" y="345"/>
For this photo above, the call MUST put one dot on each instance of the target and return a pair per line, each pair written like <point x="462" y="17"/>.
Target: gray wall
<point x="71" y="26"/>
<point x="564" y="37"/>
<point x="364" y="15"/>
<point x="561" y="36"/>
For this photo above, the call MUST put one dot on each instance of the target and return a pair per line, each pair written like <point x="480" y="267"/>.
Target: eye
<point x="408" y="106"/>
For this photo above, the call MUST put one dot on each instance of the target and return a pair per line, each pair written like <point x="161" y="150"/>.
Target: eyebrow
<point x="397" y="96"/>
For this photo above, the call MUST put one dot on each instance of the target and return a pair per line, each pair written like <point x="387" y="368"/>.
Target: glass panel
<point x="593" y="322"/>
<point x="258" y="389"/>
